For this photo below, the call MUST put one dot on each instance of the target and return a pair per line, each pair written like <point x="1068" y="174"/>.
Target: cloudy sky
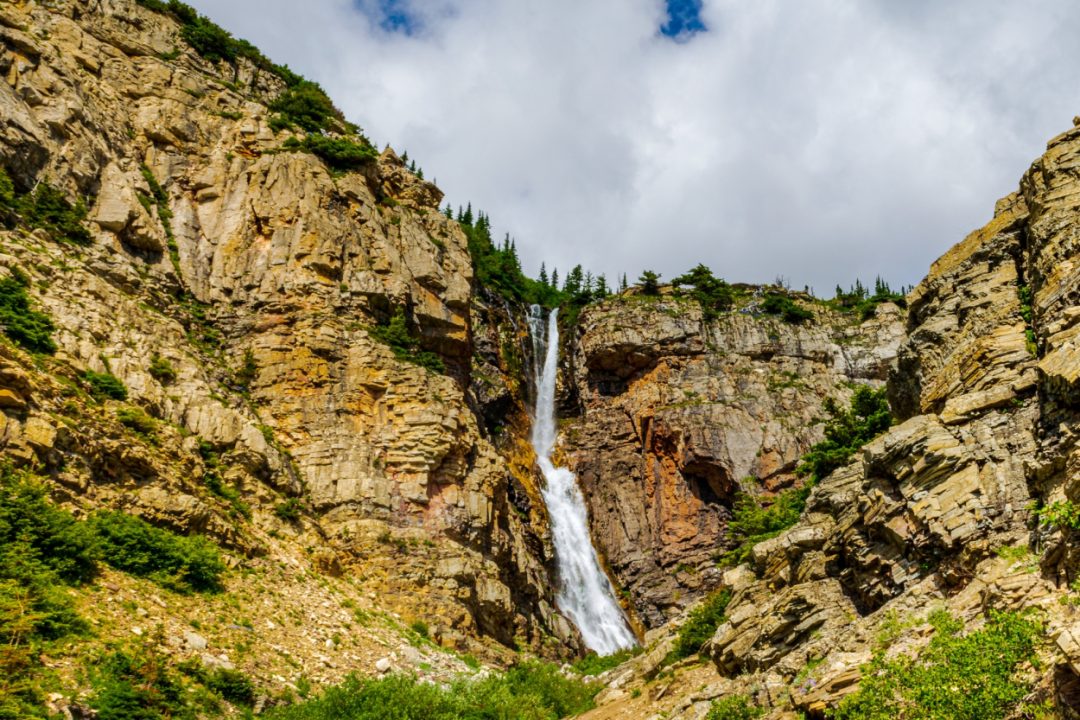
<point x="817" y="140"/>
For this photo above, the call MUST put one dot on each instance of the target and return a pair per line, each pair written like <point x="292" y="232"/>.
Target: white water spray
<point x="585" y="593"/>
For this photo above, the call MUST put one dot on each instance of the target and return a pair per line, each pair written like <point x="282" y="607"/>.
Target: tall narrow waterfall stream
<point x="585" y="593"/>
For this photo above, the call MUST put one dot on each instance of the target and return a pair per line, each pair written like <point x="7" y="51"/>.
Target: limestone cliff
<point x="256" y="271"/>
<point x="680" y="413"/>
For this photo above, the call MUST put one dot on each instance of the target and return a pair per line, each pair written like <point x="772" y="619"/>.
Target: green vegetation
<point x="339" y="153"/>
<point x="288" y="510"/>
<point x="138" y="422"/>
<point x="859" y="300"/>
<point x="700" y="626"/>
<point x="137" y="683"/>
<point x="593" y="664"/>
<point x="734" y="707"/>
<point x="161" y="370"/>
<point x="405" y="345"/>
<point x="28" y="328"/>
<point x="785" y="307"/>
<point x="42" y="550"/>
<point x="213" y="42"/>
<point x="1062" y="514"/>
<point x="969" y="677"/>
<point x="847" y="430"/>
<point x="530" y="691"/>
<point x="752" y="522"/>
<point x="306" y="105"/>
<point x="105" y="386"/>
<point x="712" y="293"/>
<point x="48" y="209"/>
<point x="650" y="282"/>
<point x="183" y="564"/>
<point x="1024" y="293"/>
<point x="44" y="208"/>
<point x="160" y="200"/>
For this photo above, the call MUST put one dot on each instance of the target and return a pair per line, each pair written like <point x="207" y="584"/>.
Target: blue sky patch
<point x="684" y="19"/>
<point x="392" y="16"/>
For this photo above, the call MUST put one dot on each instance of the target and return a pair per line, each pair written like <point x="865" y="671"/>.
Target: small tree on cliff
<point x="650" y="283"/>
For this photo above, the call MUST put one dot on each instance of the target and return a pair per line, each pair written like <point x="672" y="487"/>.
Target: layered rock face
<point x="984" y="385"/>
<point x="256" y="273"/>
<point x="680" y="413"/>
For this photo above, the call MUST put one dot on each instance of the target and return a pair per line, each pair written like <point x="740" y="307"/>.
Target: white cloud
<point x="817" y="140"/>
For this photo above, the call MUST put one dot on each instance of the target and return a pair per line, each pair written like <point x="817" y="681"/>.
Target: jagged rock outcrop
<point x="257" y="272"/>
<point x="680" y="413"/>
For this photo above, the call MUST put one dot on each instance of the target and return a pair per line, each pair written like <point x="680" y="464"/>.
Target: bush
<point x="530" y="691"/>
<point x="42" y="549"/>
<point x="712" y="293"/>
<point x="752" y="522"/>
<point x="233" y="685"/>
<point x="135" y="546"/>
<point x="161" y="370"/>
<point x="137" y="685"/>
<point x="209" y="40"/>
<point x="404" y="344"/>
<point x="289" y="510"/>
<point x="734" y="707"/>
<point x="785" y="307"/>
<point x="306" y="105"/>
<point x="700" y="626"/>
<point x="847" y="430"/>
<point x="339" y="153"/>
<point x="47" y="208"/>
<point x="28" y="328"/>
<point x="968" y="677"/>
<point x="650" y="283"/>
<point x="593" y="664"/>
<point x="138" y="421"/>
<point x="105" y="385"/>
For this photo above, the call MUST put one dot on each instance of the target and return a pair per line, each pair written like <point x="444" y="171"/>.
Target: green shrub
<point x="593" y="664"/>
<point x="650" y="283"/>
<point x="105" y="385"/>
<point x="161" y="370"/>
<point x="339" y="153"/>
<point x="42" y="549"/>
<point x="306" y="105"/>
<point x="29" y="328"/>
<point x="209" y="40"/>
<point x="859" y="300"/>
<point x="138" y="421"/>
<point x="734" y="707"/>
<point x="47" y="208"/>
<point x="847" y="430"/>
<point x="700" y="626"/>
<point x="174" y="561"/>
<point x="288" y="510"/>
<point x="420" y="628"/>
<point x="712" y="293"/>
<point x="137" y="685"/>
<point x="969" y="677"/>
<point x="247" y="372"/>
<point x="530" y="691"/>
<point x="1062" y="514"/>
<point x="404" y="344"/>
<point x="752" y="522"/>
<point x="233" y="685"/>
<point x="785" y="307"/>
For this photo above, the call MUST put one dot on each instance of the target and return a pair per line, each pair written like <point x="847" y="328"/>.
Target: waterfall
<point x="585" y="593"/>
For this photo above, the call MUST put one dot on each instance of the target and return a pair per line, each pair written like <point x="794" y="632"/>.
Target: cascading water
<point x="585" y="593"/>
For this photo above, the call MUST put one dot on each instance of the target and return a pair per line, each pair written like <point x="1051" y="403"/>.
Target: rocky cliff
<point x="256" y="273"/>
<point x="680" y="412"/>
<point x="942" y="512"/>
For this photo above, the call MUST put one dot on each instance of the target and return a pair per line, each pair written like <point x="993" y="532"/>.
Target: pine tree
<point x="623" y="287"/>
<point x="650" y="282"/>
<point x="448" y="212"/>
<point x="555" y="278"/>
<point x="469" y="215"/>
<point x="601" y="287"/>
<point x="543" y="275"/>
